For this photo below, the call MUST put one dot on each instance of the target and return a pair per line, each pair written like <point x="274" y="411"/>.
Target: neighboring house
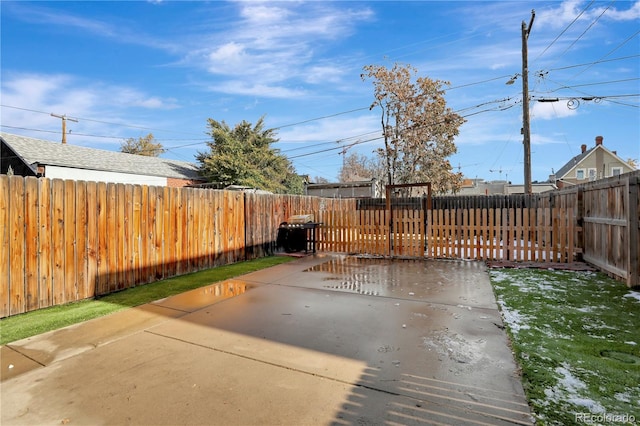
<point x="36" y="157"/>
<point x="499" y="187"/>
<point x="241" y="188"/>
<point x="591" y="164"/>
<point x="360" y="189"/>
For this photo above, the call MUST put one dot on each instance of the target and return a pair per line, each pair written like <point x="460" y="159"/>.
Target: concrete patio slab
<point x="67" y="342"/>
<point x="321" y="340"/>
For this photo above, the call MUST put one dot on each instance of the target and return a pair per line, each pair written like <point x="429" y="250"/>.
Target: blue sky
<point x="125" y="69"/>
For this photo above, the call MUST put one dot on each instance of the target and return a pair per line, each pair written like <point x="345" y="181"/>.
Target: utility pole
<point x="64" y="125"/>
<point x="526" y="127"/>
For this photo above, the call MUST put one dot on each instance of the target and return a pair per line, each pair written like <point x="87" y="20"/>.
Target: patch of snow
<point x="499" y="276"/>
<point x="633" y="294"/>
<point x="631" y="343"/>
<point x="568" y="389"/>
<point x="597" y="325"/>
<point x="514" y="319"/>
<point x="455" y="347"/>
<point x="624" y="397"/>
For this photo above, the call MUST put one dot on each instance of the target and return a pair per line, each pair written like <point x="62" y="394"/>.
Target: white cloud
<point x="538" y="139"/>
<point x="347" y="130"/>
<point x="38" y="95"/>
<point x="323" y="74"/>
<point x="551" y="110"/>
<point x="241" y="87"/>
<point x="630" y="14"/>
<point x="569" y="10"/>
<point x="264" y="13"/>
<point x="273" y="45"/>
<point x="124" y="32"/>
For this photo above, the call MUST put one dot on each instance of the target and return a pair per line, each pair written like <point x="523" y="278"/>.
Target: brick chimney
<point x="584" y="148"/>
<point x="599" y="140"/>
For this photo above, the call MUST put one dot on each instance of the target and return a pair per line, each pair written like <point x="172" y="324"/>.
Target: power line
<point x="189" y="133"/>
<point x="609" y="53"/>
<point x="588" y="28"/>
<point x="380" y="137"/>
<point x="564" y="31"/>
<point x="502" y="77"/>
<point x="320" y="118"/>
<point x="345" y="139"/>
<point x="99" y="121"/>
<point x="589" y="84"/>
<point x="592" y="63"/>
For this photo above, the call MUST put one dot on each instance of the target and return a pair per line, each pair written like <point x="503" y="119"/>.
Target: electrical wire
<point x="589" y="84"/>
<point x="564" y="31"/>
<point x="587" y="29"/>
<point x="592" y="63"/>
<point x="99" y="121"/>
<point x="381" y="137"/>
<point x="609" y="53"/>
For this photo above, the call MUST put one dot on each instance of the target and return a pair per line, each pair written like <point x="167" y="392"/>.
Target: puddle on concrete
<point x="394" y="277"/>
<point x="205" y="296"/>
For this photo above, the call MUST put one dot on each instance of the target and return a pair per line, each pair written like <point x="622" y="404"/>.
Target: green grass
<point x="576" y="337"/>
<point x="43" y="320"/>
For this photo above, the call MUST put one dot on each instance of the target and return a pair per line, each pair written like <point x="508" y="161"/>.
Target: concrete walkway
<point x="324" y="339"/>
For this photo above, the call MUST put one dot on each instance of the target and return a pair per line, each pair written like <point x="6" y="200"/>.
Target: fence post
<point x="633" y="229"/>
<point x="580" y="223"/>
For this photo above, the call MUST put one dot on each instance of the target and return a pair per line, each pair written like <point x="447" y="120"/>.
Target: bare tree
<point x="417" y="126"/>
<point x="145" y="145"/>
<point x="356" y="167"/>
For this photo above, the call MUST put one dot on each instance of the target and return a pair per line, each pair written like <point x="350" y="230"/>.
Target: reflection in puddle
<point x="204" y="296"/>
<point x="358" y="275"/>
<point x="227" y="288"/>
<point x="394" y="277"/>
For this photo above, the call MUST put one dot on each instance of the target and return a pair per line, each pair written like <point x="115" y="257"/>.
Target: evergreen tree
<point x="244" y="156"/>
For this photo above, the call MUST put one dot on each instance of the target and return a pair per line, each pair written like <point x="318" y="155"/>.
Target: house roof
<point x="562" y="171"/>
<point x="41" y="152"/>
<point x="337" y="185"/>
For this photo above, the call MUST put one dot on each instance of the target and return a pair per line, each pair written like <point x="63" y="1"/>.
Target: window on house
<point x="593" y="174"/>
<point x="580" y="174"/>
<point x="616" y="171"/>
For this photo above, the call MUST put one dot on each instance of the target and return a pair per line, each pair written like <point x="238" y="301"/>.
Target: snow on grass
<point x="568" y="388"/>
<point x="514" y="319"/>
<point x="633" y="294"/>
<point x="569" y="318"/>
<point x="624" y="397"/>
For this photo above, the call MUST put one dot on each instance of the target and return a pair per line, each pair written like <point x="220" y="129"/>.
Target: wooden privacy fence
<point x="521" y="228"/>
<point x="539" y="228"/>
<point x="610" y="212"/>
<point x="598" y="222"/>
<point x="63" y="241"/>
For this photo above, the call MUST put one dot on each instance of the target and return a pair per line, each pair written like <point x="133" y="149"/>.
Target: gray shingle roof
<point x="562" y="171"/>
<point x="56" y="154"/>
